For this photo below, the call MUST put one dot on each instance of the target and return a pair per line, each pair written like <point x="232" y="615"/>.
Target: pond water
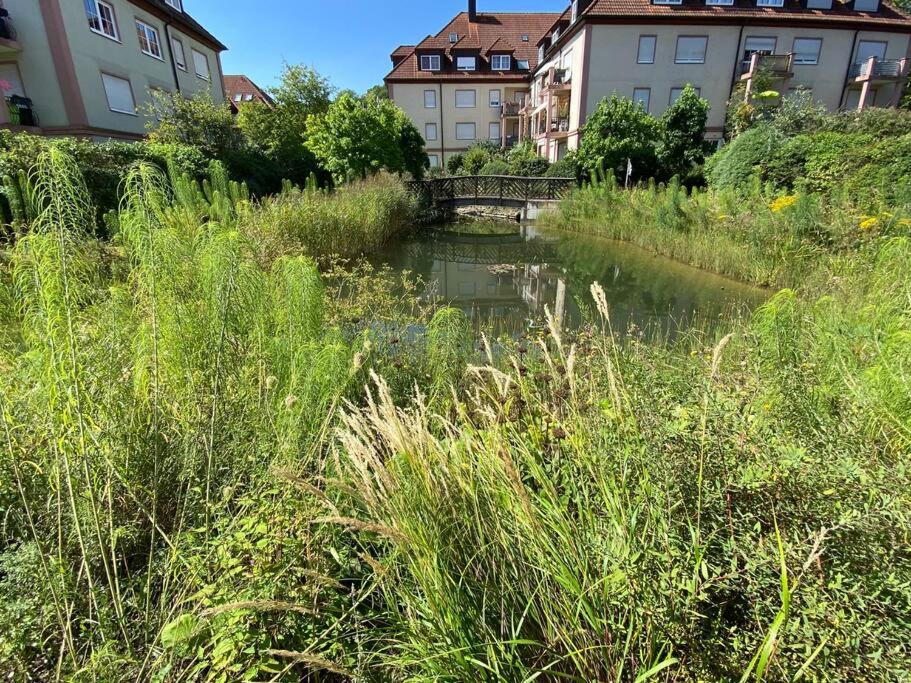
<point x="503" y="276"/>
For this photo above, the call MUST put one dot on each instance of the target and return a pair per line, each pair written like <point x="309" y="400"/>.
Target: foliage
<point x="494" y="167"/>
<point x="618" y="131"/>
<point x="567" y="167"/>
<point x="454" y="164"/>
<point x="358" y="137"/>
<point x="683" y="146"/>
<point x="524" y="161"/>
<point x="380" y="92"/>
<point x="737" y="163"/>
<point x="194" y="121"/>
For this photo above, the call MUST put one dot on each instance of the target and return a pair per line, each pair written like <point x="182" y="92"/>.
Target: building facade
<point x="847" y="55"/>
<point x="240" y="89"/>
<point x="91" y="67"/>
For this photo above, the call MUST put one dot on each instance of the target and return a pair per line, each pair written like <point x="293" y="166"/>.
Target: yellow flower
<point x="868" y="222"/>
<point x="782" y="203"/>
<point x="904" y="222"/>
<point x="723" y="217"/>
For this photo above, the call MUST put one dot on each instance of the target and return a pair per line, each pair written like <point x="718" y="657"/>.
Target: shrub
<point x="735" y="164"/>
<point x="454" y="164"/>
<point x="618" y="131"/>
<point x="567" y="167"/>
<point x="683" y="146"/>
<point x="495" y="167"/>
<point x="477" y="156"/>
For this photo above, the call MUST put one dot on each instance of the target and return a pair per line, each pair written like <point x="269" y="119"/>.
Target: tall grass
<point x="195" y="484"/>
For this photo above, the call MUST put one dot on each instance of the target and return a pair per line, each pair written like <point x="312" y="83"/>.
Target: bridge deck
<point x="494" y="188"/>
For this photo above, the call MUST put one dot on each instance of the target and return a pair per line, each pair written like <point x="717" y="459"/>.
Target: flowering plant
<point x="5" y="86"/>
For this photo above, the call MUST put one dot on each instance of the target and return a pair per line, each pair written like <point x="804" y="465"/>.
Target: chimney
<point x="472" y="10"/>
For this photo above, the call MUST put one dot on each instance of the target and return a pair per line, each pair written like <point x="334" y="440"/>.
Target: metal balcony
<point x="9" y="44"/>
<point x="874" y="69"/>
<point x="511" y="109"/>
<point x="18" y="111"/>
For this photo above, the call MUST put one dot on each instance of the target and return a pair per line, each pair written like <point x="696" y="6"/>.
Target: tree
<point x="683" y="145"/>
<point x="196" y="121"/>
<point x="360" y="136"/>
<point x="380" y="92"/>
<point x="280" y="132"/>
<point x="617" y="131"/>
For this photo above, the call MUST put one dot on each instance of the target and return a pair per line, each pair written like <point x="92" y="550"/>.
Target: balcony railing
<point x="878" y="68"/>
<point x="776" y="65"/>
<point x="21" y="111"/>
<point x="511" y="108"/>
<point x="510" y="141"/>
<point x="6" y="26"/>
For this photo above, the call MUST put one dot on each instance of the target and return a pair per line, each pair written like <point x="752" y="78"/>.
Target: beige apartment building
<point x="90" y="67"/>
<point x="847" y="55"/>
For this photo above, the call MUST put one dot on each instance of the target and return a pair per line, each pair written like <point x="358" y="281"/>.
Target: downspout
<point x="442" y="127"/>
<point x="844" y="87"/>
<point x="167" y="35"/>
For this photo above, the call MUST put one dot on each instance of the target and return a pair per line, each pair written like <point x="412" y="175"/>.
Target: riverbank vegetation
<point x="216" y="466"/>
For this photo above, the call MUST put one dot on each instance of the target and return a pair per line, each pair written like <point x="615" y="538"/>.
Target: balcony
<point x="774" y="66"/>
<point x="18" y="111"/>
<point x="558" y="80"/>
<point x="511" y="109"/>
<point x="9" y="45"/>
<point x="876" y="70"/>
<point x="510" y="141"/>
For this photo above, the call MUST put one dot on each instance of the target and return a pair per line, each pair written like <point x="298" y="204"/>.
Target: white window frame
<point x="105" y="77"/>
<point x="504" y="62"/>
<point x="97" y="5"/>
<point x="427" y="128"/>
<point x="176" y="4"/>
<point x="667" y="2"/>
<point x="490" y="129"/>
<point x="433" y="160"/>
<point x="574" y="12"/>
<point x="433" y="99"/>
<point x="648" y="97"/>
<point x="646" y="39"/>
<point x="474" y="99"/>
<point x="208" y="76"/>
<point x="239" y="97"/>
<point x="429" y="64"/>
<point x="474" y="131"/>
<point x="705" y="50"/>
<point x="720" y="3"/>
<point x="770" y="3"/>
<point x="145" y="30"/>
<point x="802" y="62"/>
<point x="177" y="48"/>
<point x="466" y="63"/>
<point x="494" y="98"/>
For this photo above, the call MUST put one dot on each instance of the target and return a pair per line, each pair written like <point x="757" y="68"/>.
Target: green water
<point x="504" y="275"/>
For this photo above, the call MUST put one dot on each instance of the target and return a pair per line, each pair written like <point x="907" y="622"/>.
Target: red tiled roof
<point x="187" y="23"/>
<point x="241" y="85"/>
<point x="489" y="29"/>
<point x="793" y="10"/>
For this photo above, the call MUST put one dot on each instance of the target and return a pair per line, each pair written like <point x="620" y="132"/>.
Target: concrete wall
<point x="90" y="54"/>
<point x="410" y="97"/>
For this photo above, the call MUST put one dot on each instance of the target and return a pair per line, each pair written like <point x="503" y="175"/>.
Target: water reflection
<point x="503" y="276"/>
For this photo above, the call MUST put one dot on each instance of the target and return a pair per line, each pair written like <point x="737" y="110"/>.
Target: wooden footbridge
<point x="493" y="190"/>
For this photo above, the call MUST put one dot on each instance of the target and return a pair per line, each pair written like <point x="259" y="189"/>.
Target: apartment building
<point x="240" y="89"/>
<point x="455" y="84"/>
<point x="848" y="55"/>
<point x="89" y="67"/>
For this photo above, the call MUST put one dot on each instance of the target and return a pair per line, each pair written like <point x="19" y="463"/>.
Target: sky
<point x="347" y="41"/>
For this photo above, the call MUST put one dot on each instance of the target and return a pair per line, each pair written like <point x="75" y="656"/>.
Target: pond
<point x="503" y="275"/>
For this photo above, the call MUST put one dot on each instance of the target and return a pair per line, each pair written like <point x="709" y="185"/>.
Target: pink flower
<point x="5" y="86"/>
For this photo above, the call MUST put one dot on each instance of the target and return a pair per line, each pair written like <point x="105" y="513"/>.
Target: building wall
<point x="410" y="97"/>
<point x="571" y="56"/>
<point x="90" y="54"/>
<point x="613" y="67"/>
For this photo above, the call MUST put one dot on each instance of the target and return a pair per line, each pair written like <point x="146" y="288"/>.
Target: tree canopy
<point x="617" y="131"/>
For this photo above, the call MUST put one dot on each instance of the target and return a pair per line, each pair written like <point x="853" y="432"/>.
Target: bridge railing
<point x="494" y="187"/>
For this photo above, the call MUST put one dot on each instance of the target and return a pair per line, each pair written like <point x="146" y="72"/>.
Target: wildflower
<point x="290" y="402"/>
<point x="271" y="381"/>
<point x="904" y="222"/>
<point x="782" y="203"/>
<point x="723" y="217"/>
<point x="868" y="222"/>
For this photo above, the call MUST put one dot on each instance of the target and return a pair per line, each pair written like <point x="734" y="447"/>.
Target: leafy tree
<point x="380" y="92"/>
<point x="477" y="156"/>
<point x="617" y="130"/>
<point x="196" y="121"/>
<point x="280" y="132"/>
<point x="360" y="136"/>
<point x="454" y="164"/>
<point x="683" y="144"/>
<point x="524" y="161"/>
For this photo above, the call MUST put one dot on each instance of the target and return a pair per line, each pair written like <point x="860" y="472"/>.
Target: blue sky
<point x="348" y="41"/>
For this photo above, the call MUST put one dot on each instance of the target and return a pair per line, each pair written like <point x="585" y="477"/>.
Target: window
<point x="667" y="2"/>
<point x="501" y="62"/>
<point x="647" y="49"/>
<point x="866" y="5"/>
<point x="119" y="94"/>
<point x="494" y="133"/>
<point x="430" y="132"/>
<point x="870" y="48"/>
<point x="238" y="97"/>
<point x="201" y="63"/>
<point x="523" y="65"/>
<point x="430" y="99"/>
<point x="806" y="50"/>
<point x="430" y="62"/>
<point x="575" y="11"/>
<point x="642" y="96"/>
<point x="494" y="98"/>
<point x="466" y="99"/>
<point x="770" y="3"/>
<point x="677" y="92"/>
<point x="453" y="37"/>
<point x="180" y="58"/>
<point x="101" y="18"/>
<point x="753" y="45"/>
<point x="540" y="53"/>
<point x="555" y="37"/>
<point x="149" y="43"/>
<point x="819" y="4"/>
<point x="434" y="160"/>
<point x="176" y="4"/>
<point x="465" y="131"/>
<point x="691" y="49"/>
<point x="248" y="97"/>
<point x="466" y="63"/>
<point x="719" y="2"/>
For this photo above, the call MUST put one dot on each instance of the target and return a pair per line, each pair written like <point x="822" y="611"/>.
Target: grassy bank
<point x="196" y="486"/>
<point x="755" y="235"/>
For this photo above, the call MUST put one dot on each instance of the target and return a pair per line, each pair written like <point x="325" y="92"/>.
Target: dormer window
<point x="453" y="37"/>
<point x="176" y="4"/>
<point x="866" y="5"/>
<point x="501" y="62"/>
<point x="523" y="65"/>
<point x="540" y="53"/>
<point x="719" y="3"/>
<point x="525" y="38"/>
<point x="430" y="62"/>
<point x="770" y="3"/>
<point x="556" y="37"/>
<point x="667" y="2"/>
<point x="467" y="63"/>
<point x="574" y="13"/>
<point x="819" y="4"/>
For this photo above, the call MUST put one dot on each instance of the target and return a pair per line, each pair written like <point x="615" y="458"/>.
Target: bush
<point x="495" y="167"/>
<point x="683" y="146"/>
<point x="738" y="162"/>
<point x="618" y="131"/>
<point x="567" y="167"/>
<point x="454" y="164"/>
<point x="477" y="157"/>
